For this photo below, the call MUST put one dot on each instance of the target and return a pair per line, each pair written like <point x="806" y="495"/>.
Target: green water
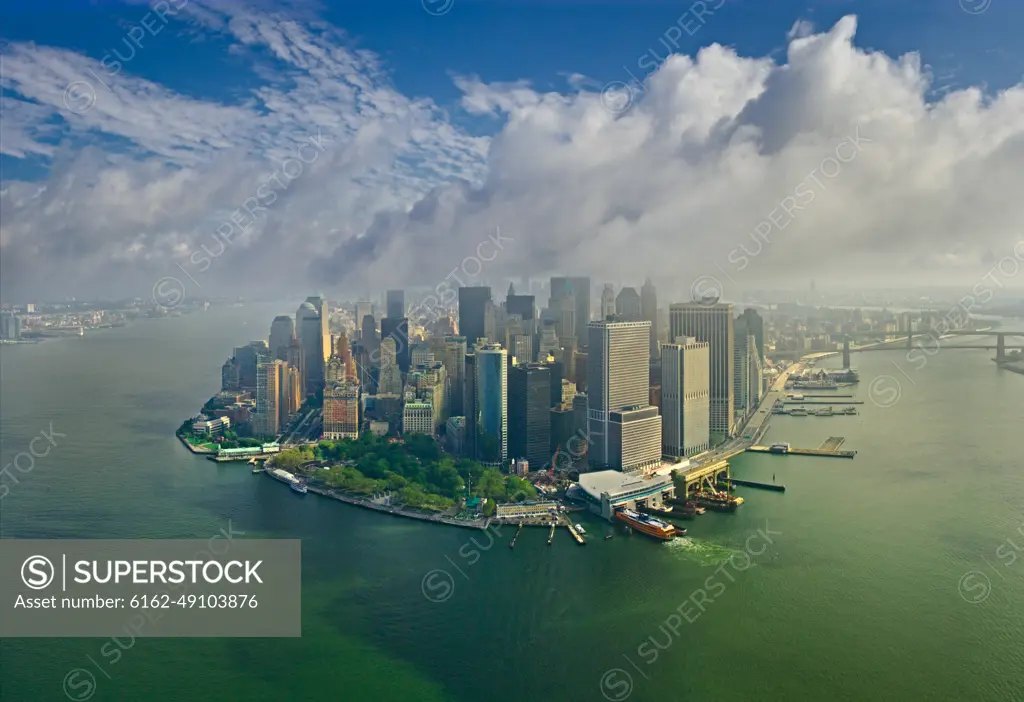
<point x="857" y="597"/>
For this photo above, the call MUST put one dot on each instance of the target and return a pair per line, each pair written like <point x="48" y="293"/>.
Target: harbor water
<point x="885" y="577"/>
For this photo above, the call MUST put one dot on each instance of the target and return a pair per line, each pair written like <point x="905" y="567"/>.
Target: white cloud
<point x="709" y="150"/>
<point x="800" y="29"/>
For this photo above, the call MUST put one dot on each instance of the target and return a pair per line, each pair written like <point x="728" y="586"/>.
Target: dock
<point x="789" y="401"/>
<point x="828" y="449"/>
<point x="750" y="483"/>
<point x="512" y="544"/>
<point x="576" y="535"/>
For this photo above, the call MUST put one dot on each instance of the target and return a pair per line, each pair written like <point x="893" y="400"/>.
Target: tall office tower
<point x="455" y="435"/>
<point x="282" y="329"/>
<point x="581" y="359"/>
<point x="529" y="417"/>
<point x="649" y="312"/>
<point x="470" y="406"/>
<point x="548" y="342"/>
<point x="473" y="309"/>
<point x="579" y="289"/>
<point x="490" y="321"/>
<point x="291" y="391"/>
<point x="634" y="438"/>
<point x="320" y="305"/>
<point x="743" y="348"/>
<point x="398" y="329"/>
<point x="296" y="359"/>
<point x="756" y="378"/>
<point x="455" y="366"/>
<point x="395" y="307"/>
<point x="562" y="310"/>
<point x="492" y="403"/>
<point x="628" y="305"/>
<point x="334" y="371"/>
<point x="390" y="379"/>
<point x="341" y="410"/>
<point x="755" y="326"/>
<point x="363" y="307"/>
<point x="418" y="418"/>
<point x="522" y="305"/>
<point x="368" y="334"/>
<point x="247" y="357"/>
<point x="711" y="322"/>
<point x="685" y="397"/>
<point x="229" y="375"/>
<point x="619" y="354"/>
<point x="556" y="376"/>
<point x="607" y="301"/>
<point x="309" y="329"/>
<point x="579" y="448"/>
<point x="266" y="419"/>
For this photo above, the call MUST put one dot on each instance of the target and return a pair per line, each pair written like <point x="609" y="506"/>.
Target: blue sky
<point x="211" y="60"/>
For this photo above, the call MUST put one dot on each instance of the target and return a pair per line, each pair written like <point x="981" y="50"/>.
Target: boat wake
<point x="703" y="553"/>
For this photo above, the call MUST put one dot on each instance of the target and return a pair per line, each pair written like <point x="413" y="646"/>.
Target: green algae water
<point x="886" y="577"/>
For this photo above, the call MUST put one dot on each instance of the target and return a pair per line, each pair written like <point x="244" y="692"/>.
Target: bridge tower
<point x="1001" y="348"/>
<point x="846" y="352"/>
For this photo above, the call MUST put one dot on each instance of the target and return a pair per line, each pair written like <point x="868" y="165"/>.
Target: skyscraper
<point x="579" y="289"/>
<point x="711" y="322"/>
<point x="473" y="311"/>
<point x="685" y="397"/>
<point x="649" y="312"/>
<point x="470" y="407"/>
<point x="607" y="301"/>
<point x="266" y="419"/>
<point x="529" y="420"/>
<point x="743" y="349"/>
<point x="323" y="310"/>
<point x="628" y="305"/>
<point x="341" y="410"/>
<point x="618" y="380"/>
<point x="755" y="326"/>
<point x="492" y="403"/>
<point x="363" y="308"/>
<point x="395" y="307"/>
<point x="368" y="334"/>
<point x="282" y="329"/>
<point x="397" y="328"/>
<point x="523" y="305"/>
<point x="310" y="333"/>
<point x="390" y="379"/>
<point x="455" y="366"/>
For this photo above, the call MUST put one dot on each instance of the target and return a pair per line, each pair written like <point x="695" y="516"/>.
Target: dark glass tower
<point x="529" y="416"/>
<point x="473" y="304"/>
<point x="395" y="307"/>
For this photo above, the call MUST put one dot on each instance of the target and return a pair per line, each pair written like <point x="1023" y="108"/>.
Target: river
<point x="886" y="577"/>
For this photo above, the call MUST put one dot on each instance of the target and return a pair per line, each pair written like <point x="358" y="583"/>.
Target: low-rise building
<point x="211" y="427"/>
<point x="526" y="510"/>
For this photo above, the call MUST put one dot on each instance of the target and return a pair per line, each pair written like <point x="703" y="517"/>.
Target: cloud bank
<point x="831" y="164"/>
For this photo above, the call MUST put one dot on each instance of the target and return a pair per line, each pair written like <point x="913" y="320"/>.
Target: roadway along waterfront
<point x="879" y="571"/>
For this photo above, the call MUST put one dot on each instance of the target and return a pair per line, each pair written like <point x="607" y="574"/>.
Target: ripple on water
<point x="704" y="553"/>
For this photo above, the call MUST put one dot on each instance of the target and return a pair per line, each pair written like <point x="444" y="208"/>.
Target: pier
<point x="512" y="544"/>
<point x="701" y="477"/>
<point x="828" y="449"/>
<point x="750" y="483"/>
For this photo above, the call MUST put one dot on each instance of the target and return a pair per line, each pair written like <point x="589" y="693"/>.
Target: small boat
<point x="609" y="536"/>
<point x="299" y="487"/>
<point x="257" y="470"/>
<point x="580" y="529"/>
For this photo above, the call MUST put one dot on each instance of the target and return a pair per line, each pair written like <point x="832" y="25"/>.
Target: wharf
<point x="828" y="449"/>
<point x="822" y="402"/>
<point x="751" y="483"/>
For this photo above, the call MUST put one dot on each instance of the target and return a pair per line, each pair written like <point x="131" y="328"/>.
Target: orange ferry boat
<point x="647" y="524"/>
